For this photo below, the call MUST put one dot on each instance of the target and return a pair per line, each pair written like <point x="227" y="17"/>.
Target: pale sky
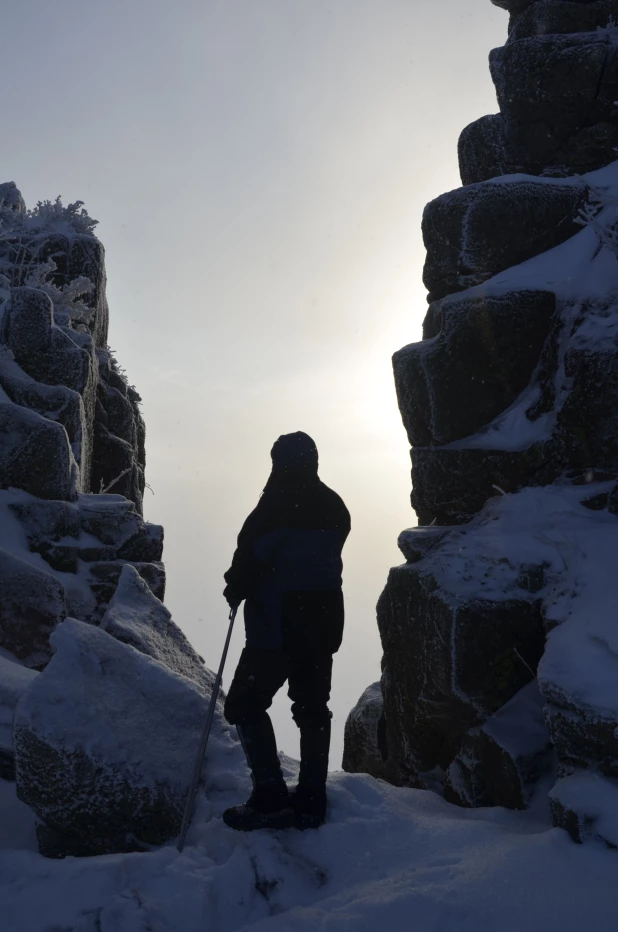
<point x="259" y="170"/>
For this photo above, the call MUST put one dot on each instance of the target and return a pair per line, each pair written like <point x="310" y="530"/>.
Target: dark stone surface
<point x="32" y="603"/>
<point x="14" y="681"/>
<point x="416" y="543"/>
<point x="481" y="150"/>
<point x="364" y="740"/>
<point x="453" y="484"/>
<point x="587" y="424"/>
<point x="550" y="88"/>
<point x="476" y="365"/>
<point x="35" y="454"/>
<point x="500" y="762"/>
<point x="475" y="232"/>
<point x="557" y="17"/>
<point x="448" y="664"/>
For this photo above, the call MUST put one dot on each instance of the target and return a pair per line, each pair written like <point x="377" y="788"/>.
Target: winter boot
<point x="267" y="807"/>
<point x="309" y="798"/>
<point x="309" y="805"/>
<point x="269" y="804"/>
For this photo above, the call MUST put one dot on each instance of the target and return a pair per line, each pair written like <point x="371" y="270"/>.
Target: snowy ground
<point x="394" y="858"/>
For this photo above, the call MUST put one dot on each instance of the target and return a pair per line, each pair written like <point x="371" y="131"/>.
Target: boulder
<point x="44" y="521"/>
<point x="135" y="616"/>
<point x="32" y="603"/>
<point x="10" y="198"/>
<point x="416" y="543"/>
<point x="105" y="742"/>
<point x="364" y="741"/>
<point x="481" y="358"/>
<point x="35" y="454"/>
<point x="481" y="150"/>
<point x="549" y="17"/>
<point x="31" y="320"/>
<point x="577" y="676"/>
<point x="514" y="6"/>
<point x="112" y="519"/>
<point x="104" y="576"/>
<point x="14" y="681"/>
<point x="475" y="232"/>
<point x="585" y="805"/>
<point x="587" y="423"/>
<point x="451" y="484"/>
<point x="450" y="658"/>
<point x="499" y="763"/>
<point x="550" y="88"/>
<point x="55" y="402"/>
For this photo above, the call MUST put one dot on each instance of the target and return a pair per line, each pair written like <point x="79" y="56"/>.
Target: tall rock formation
<point x="510" y="403"/>
<point x="81" y="578"/>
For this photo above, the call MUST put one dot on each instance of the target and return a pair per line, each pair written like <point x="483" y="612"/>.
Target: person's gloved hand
<point x="232" y="598"/>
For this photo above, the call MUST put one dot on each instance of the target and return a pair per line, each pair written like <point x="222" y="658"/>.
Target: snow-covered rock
<point x="477" y="358"/>
<point x="32" y="603"/>
<point x="500" y="762"/>
<point x="364" y="749"/>
<point x="14" y="681"/>
<point x="476" y="231"/>
<point x="35" y="454"/>
<point x="136" y="617"/>
<point x="586" y="805"/>
<point x="105" y="739"/>
<point x="461" y="631"/>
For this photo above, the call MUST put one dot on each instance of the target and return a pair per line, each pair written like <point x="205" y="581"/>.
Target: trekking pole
<point x="201" y="752"/>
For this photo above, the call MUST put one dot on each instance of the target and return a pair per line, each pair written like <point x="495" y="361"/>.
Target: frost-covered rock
<point x="32" y="603"/>
<point x="586" y="805"/>
<point x="549" y="17"/>
<point x="454" y="629"/>
<point x="451" y="484"/>
<point x="476" y="231"/>
<point x="35" y="453"/>
<point x="136" y="617"/>
<point x="499" y="763"/>
<point x="364" y="748"/>
<point x="481" y="150"/>
<point x="477" y="358"/>
<point x="14" y="681"/>
<point x="105" y="740"/>
<point x="416" y="543"/>
<point x="556" y="95"/>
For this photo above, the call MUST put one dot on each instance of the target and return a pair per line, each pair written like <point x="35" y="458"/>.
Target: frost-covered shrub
<point x="69" y="298"/>
<point x="47" y="217"/>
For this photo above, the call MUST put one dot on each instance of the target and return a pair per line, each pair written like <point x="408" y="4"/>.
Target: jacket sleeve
<point x="244" y="573"/>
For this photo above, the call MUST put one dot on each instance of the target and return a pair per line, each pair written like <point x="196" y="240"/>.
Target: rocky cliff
<point x="95" y="677"/>
<point x="510" y="403"/>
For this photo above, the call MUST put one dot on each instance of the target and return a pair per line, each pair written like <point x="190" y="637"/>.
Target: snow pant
<point x="259" y="675"/>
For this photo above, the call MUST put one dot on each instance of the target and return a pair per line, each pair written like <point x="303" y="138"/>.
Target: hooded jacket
<point x="287" y="565"/>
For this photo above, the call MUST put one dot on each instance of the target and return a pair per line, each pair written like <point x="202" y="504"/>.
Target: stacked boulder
<point x="513" y="387"/>
<point x="100" y="692"/>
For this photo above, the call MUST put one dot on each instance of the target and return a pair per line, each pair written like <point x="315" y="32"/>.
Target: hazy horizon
<point x="259" y="172"/>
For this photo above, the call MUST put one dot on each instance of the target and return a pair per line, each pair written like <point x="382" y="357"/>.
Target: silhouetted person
<point x="288" y="569"/>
